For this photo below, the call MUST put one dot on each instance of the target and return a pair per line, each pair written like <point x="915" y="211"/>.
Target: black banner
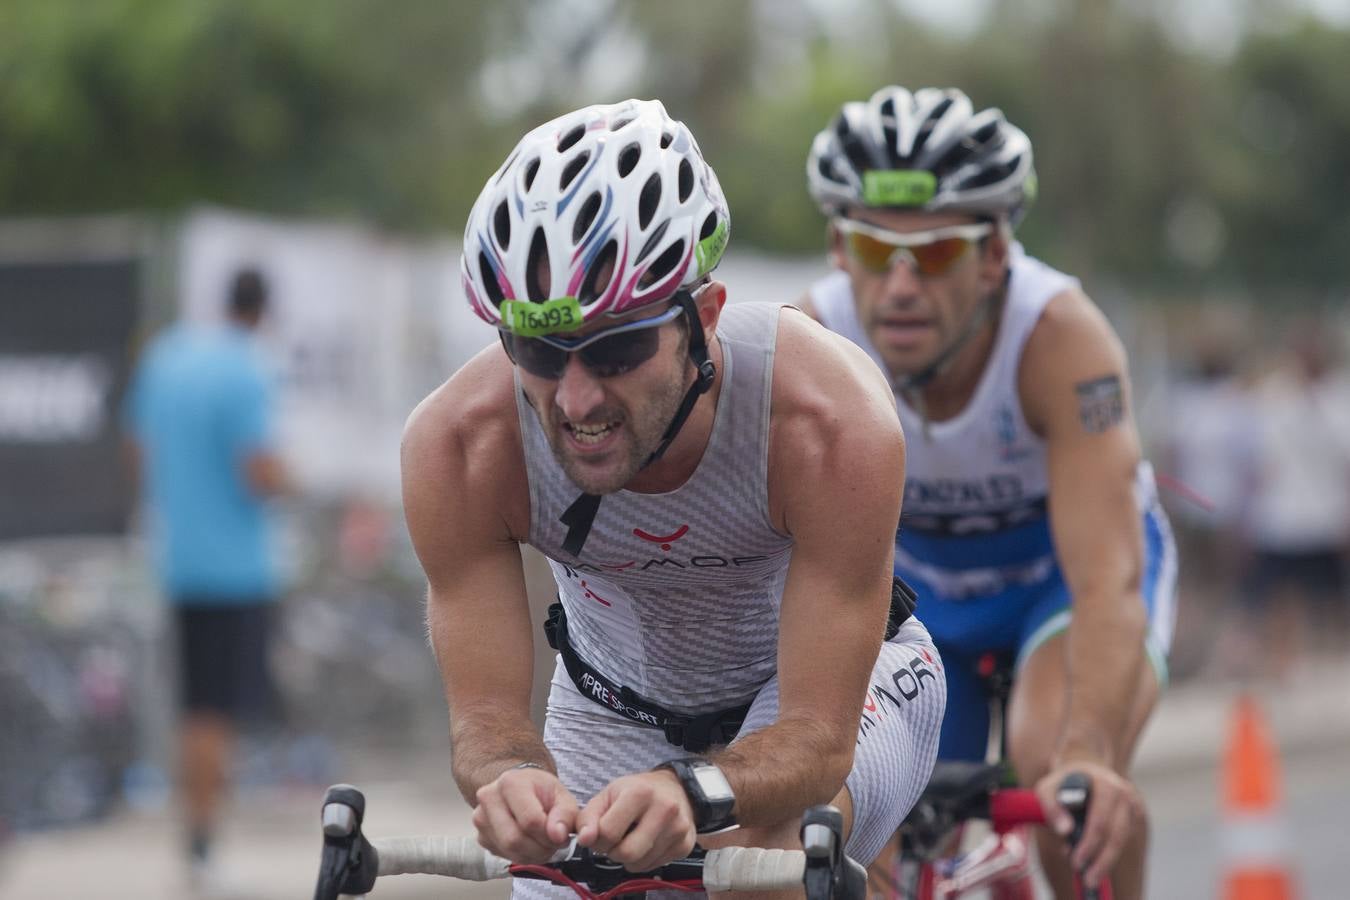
<point x="65" y="342"/>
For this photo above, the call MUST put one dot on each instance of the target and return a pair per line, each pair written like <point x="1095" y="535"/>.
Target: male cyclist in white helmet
<point x="716" y="491"/>
<point x="1030" y="522"/>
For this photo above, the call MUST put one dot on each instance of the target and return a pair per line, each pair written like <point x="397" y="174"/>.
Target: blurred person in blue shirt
<point x="199" y="418"/>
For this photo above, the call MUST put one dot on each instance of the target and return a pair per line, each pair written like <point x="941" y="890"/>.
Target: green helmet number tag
<point x="898" y="187"/>
<point x="709" y="250"/>
<point x="533" y="319"/>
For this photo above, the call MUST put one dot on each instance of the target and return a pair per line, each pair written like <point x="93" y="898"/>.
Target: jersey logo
<point x="906" y="681"/>
<point x="592" y="595"/>
<point x="665" y="562"/>
<point x="1006" y="426"/>
<point x="664" y="540"/>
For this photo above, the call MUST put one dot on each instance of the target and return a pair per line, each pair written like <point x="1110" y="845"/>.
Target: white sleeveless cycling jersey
<point x="676" y="595"/>
<point x="975" y="518"/>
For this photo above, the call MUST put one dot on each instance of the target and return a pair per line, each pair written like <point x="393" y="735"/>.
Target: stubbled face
<point x="910" y="319"/>
<point x="602" y="430"/>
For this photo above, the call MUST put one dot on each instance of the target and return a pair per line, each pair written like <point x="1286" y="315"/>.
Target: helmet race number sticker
<point x="709" y="250"/>
<point x="898" y="187"/>
<point x="533" y="319"/>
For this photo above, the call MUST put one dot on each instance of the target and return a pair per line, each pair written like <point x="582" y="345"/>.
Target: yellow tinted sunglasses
<point x="931" y="253"/>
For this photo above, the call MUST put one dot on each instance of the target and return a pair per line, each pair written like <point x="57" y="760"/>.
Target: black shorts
<point x="223" y="658"/>
<point x="1320" y="575"/>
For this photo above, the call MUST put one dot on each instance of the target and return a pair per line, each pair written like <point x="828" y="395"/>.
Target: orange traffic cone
<point x="1255" y="836"/>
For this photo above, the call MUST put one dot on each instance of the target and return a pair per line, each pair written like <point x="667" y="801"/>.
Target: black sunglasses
<point x="605" y="354"/>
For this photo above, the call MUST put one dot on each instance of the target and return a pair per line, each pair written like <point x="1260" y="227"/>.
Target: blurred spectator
<point x="1299" y="523"/>
<point x="1211" y="460"/>
<point x="200" y="423"/>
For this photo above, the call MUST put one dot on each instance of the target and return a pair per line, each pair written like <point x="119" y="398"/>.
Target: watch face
<point x="713" y="783"/>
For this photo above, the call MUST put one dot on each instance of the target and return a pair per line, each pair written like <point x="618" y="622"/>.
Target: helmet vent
<point x="628" y="159"/>
<point x="489" y="276"/>
<point x="531" y="170"/>
<point x="686" y="180"/>
<point x="567" y="140"/>
<point x="986" y="133"/>
<point x="619" y="123"/>
<point x="585" y="217"/>
<point x="993" y="174"/>
<point x="855" y="148"/>
<point x="841" y="127"/>
<point x="666" y="139"/>
<point x="501" y="224"/>
<point x="663" y="265"/>
<point x="599" y="275"/>
<point x="652" y="241"/>
<point x="648" y="200"/>
<point x="709" y="226"/>
<point x="930" y="122"/>
<point x="890" y="128"/>
<point x="573" y="167"/>
<point x="506" y="166"/>
<point x="537" y="268"/>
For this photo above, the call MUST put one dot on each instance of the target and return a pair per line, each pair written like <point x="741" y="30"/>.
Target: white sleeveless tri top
<point x="676" y="595"/>
<point x="975" y="517"/>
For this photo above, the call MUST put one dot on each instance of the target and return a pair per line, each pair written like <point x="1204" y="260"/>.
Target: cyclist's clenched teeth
<point x="591" y="432"/>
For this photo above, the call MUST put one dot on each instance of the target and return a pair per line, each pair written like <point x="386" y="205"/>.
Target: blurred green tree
<point x="1164" y="166"/>
<point x="305" y="106"/>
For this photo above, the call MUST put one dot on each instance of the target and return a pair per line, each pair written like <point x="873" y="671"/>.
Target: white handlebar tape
<point x="753" y="869"/>
<point x="438" y="855"/>
<point x="728" y="869"/>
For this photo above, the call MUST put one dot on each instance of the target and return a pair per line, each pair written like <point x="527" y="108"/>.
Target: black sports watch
<point x="708" y="790"/>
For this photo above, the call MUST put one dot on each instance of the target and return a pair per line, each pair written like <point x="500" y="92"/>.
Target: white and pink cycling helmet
<point x="619" y="201"/>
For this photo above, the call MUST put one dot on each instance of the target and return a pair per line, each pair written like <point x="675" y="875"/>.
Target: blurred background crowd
<point x="1194" y="161"/>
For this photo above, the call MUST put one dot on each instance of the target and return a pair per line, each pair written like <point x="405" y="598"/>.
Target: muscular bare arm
<point x="463" y="487"/>
<point x="836" y="474"/>
<point x="1074" y="384"/>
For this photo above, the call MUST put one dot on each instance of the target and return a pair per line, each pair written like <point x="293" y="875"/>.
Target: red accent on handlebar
<point x="985" y="665"/>
<point x="1011" y="807"/>
<point x="636" y="884"/>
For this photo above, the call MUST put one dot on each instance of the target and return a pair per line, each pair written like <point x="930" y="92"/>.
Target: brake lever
<point x="1074" y="794"/>
<point x="348" y="864"/>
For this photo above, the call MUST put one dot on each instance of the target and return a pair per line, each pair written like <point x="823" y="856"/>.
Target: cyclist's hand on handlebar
<point x="525" y="815"/>
<point x="1114" y="812"/>
<point x="641" y="821"/>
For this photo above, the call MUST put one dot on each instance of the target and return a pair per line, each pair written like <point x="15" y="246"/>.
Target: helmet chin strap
<point x="912" y="385"/>
<point x="581" y="514"/>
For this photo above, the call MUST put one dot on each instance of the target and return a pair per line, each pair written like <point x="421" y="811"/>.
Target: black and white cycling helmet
<point x="620" y="202"/>
<point x="925" y="150"/>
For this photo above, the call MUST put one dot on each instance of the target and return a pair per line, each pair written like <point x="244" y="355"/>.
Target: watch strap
<point x="711" y="814"/>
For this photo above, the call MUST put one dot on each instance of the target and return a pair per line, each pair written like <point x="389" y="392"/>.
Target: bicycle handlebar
<point x="351" y="863"/>
<point x="438" y="855"/>
<point x="961" y="791"/>
<point x="728" y="869"/>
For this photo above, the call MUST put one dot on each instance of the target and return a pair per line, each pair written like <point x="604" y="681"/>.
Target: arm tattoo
<point x="1101" y="403"/>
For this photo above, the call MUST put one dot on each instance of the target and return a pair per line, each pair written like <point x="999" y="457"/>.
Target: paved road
<point x="272" y="836"/>
<point x="270" y="846"/>
<point x="1185" y="860"/>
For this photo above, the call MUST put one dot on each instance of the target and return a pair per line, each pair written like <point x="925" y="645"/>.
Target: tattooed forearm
<point x="1101" y="403"/>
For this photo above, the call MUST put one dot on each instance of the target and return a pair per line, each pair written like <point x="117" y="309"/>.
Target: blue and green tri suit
<point x="974" y="538"/>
